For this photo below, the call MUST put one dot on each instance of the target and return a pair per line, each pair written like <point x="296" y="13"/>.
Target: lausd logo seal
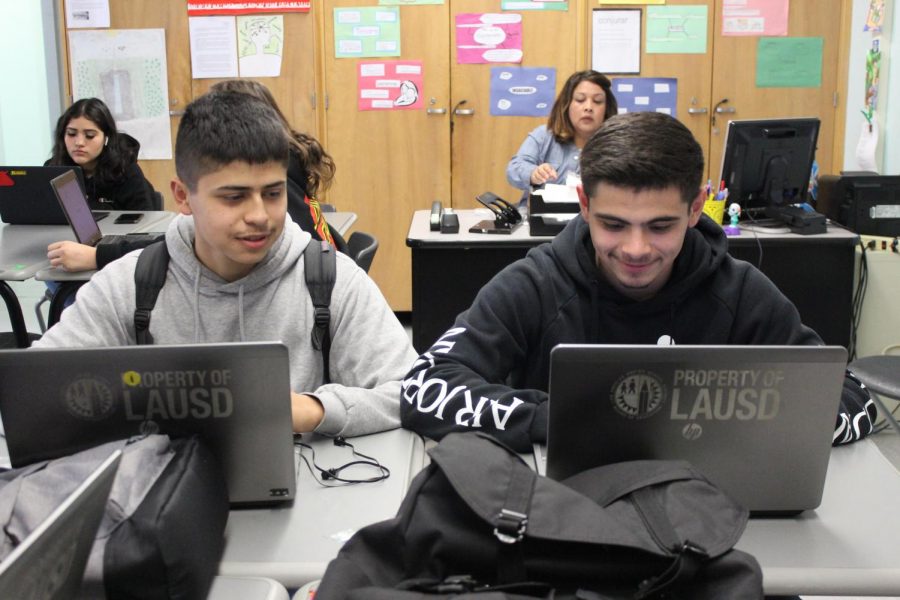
<point x="638" y="394"/>
<point x="88" y="398"/>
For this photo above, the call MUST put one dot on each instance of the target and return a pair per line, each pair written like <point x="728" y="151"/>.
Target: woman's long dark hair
<point x="117" y="154"/>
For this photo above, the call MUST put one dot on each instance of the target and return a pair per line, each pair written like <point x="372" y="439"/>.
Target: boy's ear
<point x="696" y="208"/>
<point x="584" y="202"/>
<point x="182" y="196"/>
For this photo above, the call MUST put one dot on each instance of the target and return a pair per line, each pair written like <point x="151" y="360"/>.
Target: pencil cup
<point x="715" y="210"/>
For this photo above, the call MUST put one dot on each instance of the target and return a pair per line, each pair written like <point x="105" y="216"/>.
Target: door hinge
<point x="326" y="100"/>
<point x="834" y="99"/>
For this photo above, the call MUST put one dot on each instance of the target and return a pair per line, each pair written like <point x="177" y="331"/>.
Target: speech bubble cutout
<point x="489" y="36"/>
<point x="503" y="55"/>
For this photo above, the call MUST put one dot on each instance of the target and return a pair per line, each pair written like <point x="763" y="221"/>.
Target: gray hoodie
<point x="370" y="351"/>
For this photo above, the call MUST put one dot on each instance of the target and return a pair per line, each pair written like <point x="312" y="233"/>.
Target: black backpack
<point x="320" y="266"/>
<point x="479" y="523"/>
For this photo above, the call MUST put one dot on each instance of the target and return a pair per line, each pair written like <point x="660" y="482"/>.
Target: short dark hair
<point x="559" y="123"/>
<point x="643" y="150"/>
<point x="220" y="128"/>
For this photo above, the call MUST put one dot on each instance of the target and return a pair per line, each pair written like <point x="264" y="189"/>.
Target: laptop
<point x="26" y="197"/>
<point x="235" y="396"/>
<point x="78" y="213"/>
<point x="755" y="420"/>
<point x="49" y="563"/>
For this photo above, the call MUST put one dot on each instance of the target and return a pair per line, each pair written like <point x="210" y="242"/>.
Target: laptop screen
<point x="76" y="208"/>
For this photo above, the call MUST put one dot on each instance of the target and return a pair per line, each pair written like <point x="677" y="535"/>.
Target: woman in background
<point x="310" y="166"/>
<point x="86" y="136"/>
<point x="551" y="151"/>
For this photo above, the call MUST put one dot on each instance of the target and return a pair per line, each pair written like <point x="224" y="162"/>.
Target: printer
<point x="865" y="202"/>
<point x="551" y="208"/>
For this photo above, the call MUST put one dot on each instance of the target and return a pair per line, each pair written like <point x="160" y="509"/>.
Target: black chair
<point x="19" y="337"/>
<point x="881" y="374"/>
<point x="327" y="207"/>
<point x="361" y="247"/>
<point x="158" y="202"/>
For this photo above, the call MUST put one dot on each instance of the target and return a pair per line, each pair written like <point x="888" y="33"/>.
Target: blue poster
<point x="522" y="91"/>
<point x="642" y="94"/>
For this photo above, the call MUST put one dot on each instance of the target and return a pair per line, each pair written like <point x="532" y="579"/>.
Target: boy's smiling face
<point x="239" y="213"/>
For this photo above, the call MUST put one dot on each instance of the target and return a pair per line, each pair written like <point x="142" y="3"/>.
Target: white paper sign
<point x="213" y="47"/>
<point x="616" y="41"/>
<point x="91" y="14"/>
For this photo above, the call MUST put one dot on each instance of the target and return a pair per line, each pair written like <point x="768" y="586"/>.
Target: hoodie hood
<point x="184" y="266"/>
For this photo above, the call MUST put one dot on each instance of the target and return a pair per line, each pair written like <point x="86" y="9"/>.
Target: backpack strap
<point x="149" y="277"/>
<point x="320" y="267"/>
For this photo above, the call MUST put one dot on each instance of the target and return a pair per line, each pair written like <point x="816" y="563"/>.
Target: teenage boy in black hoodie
<point x="643" y="265"/>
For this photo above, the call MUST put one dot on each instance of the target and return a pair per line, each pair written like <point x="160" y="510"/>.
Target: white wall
<point x="892" y="118"/>
<point x="860" y="43"/>
<point x="30" y="104"/>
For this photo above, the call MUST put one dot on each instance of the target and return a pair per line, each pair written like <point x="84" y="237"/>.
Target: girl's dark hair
<point x="558" y="123"/>
<point x="314" y="160"/>
<point x="117" y="154"/>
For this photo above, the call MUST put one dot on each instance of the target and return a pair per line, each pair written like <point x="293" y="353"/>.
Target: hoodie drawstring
<point x="241" y="311"/>
<point x="197" y="305"/>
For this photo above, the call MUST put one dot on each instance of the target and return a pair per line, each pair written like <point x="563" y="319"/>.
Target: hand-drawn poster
<point x="789" y="62"/>
<point x="390" y="85"/>
<point x="680" y="29"/>
<point x="205" y="8"/>
<point x="366" y="32"/>
<point x="126" y="68"/>
<point x="755" y="17"/>
<point x="646" y="94"/>
<point x="408" y="2"/>
<point x="260" y="45"/>
<point x="522" y="91"/>
<point x="873" y="76"/>
<point x="488" y="38"/>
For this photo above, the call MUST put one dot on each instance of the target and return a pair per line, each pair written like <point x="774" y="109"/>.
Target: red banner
<point x="202" y="8"/>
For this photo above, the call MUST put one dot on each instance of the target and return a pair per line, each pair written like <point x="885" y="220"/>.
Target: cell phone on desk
<point x="128" y="218"/>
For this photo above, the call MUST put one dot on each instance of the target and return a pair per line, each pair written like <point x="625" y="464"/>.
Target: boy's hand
<point x="306" y="412"/>
<point x="72" y="256"/>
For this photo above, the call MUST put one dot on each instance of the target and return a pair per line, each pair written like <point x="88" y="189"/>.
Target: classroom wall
<point x="892" y="120"/>
<point x="860" y="43"/>
<point x="29" y="108"/>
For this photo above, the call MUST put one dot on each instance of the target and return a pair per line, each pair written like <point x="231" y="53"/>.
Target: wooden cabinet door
<point x="390" y="162"/>
<point x="734" y="78"/>
<point x="691" y="70"/>
<point x="483" y="144"/>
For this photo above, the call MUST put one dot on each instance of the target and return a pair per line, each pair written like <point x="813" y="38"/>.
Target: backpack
<point x="163" y="530"/>
<point x="479" y="523"/>
<point x="320" y="267"/>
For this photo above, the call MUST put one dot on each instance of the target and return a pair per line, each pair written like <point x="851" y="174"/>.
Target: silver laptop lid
<point x="235" y="396"/>
<point x="50" y="562"/>
<point x="75" y="206"/>
<point x="756" y="420"/>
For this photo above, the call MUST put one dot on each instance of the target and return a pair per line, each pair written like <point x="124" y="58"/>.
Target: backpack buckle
<point x="141" y="319"/>
<point x="511" y="526"/>
<point x="322" y="316"/>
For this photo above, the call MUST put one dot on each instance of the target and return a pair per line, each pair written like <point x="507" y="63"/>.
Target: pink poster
<point x="755" y="17"/>
<point x="488" y="38"/>
<point x="390" y="85"/>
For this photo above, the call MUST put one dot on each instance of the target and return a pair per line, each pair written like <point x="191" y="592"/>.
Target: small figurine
<point x="734" y="212"/>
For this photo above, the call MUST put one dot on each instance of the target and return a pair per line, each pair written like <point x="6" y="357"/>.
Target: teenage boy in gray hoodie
<point x="236" y="273"/>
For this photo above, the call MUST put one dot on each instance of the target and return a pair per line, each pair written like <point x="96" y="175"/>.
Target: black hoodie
<point x="491" y="369"/>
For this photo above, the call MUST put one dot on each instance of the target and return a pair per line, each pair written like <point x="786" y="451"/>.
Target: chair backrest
<point x="327" y="207"/>
<point x="361" y="247"/>
<point x="157" y="200"/>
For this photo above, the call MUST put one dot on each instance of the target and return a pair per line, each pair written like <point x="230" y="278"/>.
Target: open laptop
<point x="49" y="563"/>
<point x="26" y="197"/>
<point x="78" y="213"/>
<point x="756" y="420"/>
<point x="235" y="396"/>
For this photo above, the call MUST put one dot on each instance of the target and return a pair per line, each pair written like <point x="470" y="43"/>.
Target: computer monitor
<point x="767" y="162"/>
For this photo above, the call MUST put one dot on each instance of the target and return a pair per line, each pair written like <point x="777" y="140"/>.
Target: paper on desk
<point x="553" y="193"/>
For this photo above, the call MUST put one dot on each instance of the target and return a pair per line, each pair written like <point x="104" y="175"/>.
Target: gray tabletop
<point x="341" y="221"/>
<point x="293" y="544"/>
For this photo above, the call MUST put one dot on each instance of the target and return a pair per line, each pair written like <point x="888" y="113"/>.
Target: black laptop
<point x="26" y="197"/>
<point x="756" y="420"/>
<point x="49" y="563"/>
<point x="235" y="396"/>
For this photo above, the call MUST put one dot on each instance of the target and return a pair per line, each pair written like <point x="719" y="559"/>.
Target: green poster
<point x="533" y="5"/>
<point x="677" y="29"/>
<point x="789" y="62"/>
<point x="366" y="32"/>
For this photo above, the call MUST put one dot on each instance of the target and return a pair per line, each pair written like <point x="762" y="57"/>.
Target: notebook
<point x="26" y="197"/>
<point x="235" y="396"/>
<point x="756" y="420"/>
<point x="78" y="213"/>
<point x="49" y="563"/>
